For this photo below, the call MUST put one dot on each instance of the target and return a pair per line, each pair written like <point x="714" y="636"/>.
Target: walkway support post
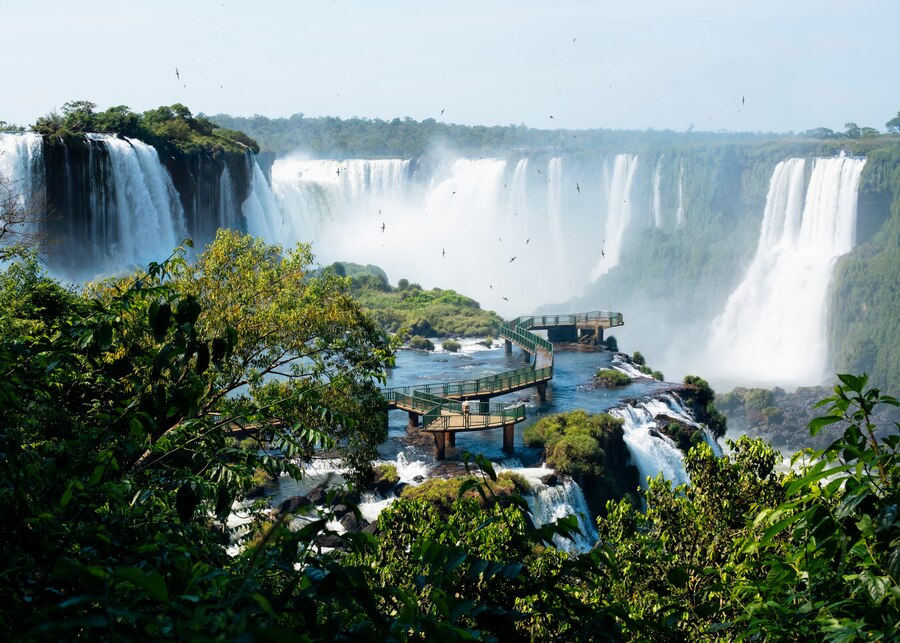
<point x="508" y="346"/>
<point x="542" y="391"/>
<point x="451" y="439"/>
<point x="509" y="433"/>
<point x="440" y="445"/>
<point x="413" y="420"/>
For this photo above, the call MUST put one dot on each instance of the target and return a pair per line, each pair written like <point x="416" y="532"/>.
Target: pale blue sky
<point x="633" y="64"/>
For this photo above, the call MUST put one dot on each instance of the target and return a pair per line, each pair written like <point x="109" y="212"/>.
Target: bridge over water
<point x="447" y="408"/>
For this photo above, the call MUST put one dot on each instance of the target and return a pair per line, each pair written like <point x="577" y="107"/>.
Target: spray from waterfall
<point x="618" y="213"/>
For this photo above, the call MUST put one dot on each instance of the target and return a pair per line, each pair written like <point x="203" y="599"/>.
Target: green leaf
<point x="816" y="424"/>
<point x="264" y="603"/>
<point x="104" y="335"/>
<point x="150" y="581"/>
<point x="159" y="319"/>
<point x="202" y="358"/>
<point x="678" y="577"/>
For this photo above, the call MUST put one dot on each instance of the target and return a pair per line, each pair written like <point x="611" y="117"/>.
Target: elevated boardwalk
<point x="446" y="408"/>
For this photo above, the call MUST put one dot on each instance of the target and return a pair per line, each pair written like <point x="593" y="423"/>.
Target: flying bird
<point x="501" y="238"/>
<point x="442" y="112"/>
<point x="382" y="226"/>
<point x="339" y="171"/>
<point x="443" y="252"/>
<point x="526" y="241"/>
<point x="743" y="99"/>
<point x="505" y="299"/>
<point x="511" y="260"/>
<point x="577" y="187"/>
<point x="551" y="115"/>
<point x="539" y="171"/>
<point x="603" y="254"/>
<point x="490" y="286"/>
<point x="177" y="75"/>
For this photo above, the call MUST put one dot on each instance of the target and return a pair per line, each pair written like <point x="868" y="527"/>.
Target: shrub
<point x="421" y="343"/>
<point x="612" y="377"/>
<point x="638" y="359"/>
<point x="611" y="343"/>
<point x="657" y="375"/>
<point x="487" y="342"/>
<point x="451" y="345"/>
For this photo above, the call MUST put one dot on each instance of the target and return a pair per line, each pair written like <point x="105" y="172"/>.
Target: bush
<point x="487" y="342"/>
<point x="612" y="377"/>
<point x="657" y="375"/>
<point x="451" y="345"/>
<point x="421" y="343"/>
<point x="611" y="343"/>
<point x="638" y="359"/>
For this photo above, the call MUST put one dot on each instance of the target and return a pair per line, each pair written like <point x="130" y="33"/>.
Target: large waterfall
<point x="22" y="175"/>
<point x="773" y="326"/>
<point x="512" y="233"/>
<point x="111" y="203"/>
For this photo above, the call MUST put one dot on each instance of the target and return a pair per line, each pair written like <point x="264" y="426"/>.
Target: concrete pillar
<point x="440" y="448"/>
<point x="527" y="356"/>
<point x="451" y="439"/>
<point x="413" y="420"/>
<point x="508" y="346"/>
<point x="542" y="391"/>
<point x="509" y="433"/>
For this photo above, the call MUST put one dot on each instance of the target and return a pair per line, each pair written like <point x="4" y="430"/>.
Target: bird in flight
<point x="382" y="226"/>
<point x="511" y="260"/>
<point x="339" y="171"/>
<point x="577" y="187"/>
<point x="490" y="286"/>
<point x="442" y="112"/>
<point x="603" y="254"/>
<point x="443" y="252"/>
<point x="526" y="241"/>
<point x="743" y="99"/>
<point x="505" y="299"/>
<point x="539" y="171"/>
<point x="177" y="75"/>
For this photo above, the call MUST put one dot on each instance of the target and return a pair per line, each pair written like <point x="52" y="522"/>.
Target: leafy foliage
<point x="612" y="377"/>
<point x="171" y="129"/>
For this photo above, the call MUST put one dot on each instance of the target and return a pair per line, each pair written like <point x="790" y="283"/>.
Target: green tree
<point x="893" y="125"/>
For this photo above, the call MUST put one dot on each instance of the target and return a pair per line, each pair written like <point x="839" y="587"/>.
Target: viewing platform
<point x="447" y="408"/>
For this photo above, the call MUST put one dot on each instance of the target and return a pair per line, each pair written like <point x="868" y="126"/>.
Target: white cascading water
<point x="618" y="213"/>
<point x="21" y="167"/>
<point x="261" y="212"/>
<point x="144" y="220"/>
<point x="650" y="454"/>
<point x="773" y="326"/>
<point x="548" y="504"/>
<point x="679" y="213"/>
<point x="656" y="207"/>
<point x="511" y="234"/>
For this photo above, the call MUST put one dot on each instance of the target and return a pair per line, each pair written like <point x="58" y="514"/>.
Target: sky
<point x="762" y="66"/>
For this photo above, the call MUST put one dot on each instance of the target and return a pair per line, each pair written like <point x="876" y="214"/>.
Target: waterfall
<point x="679" y="213"/>
<point x="554" y="212"/>
<point x="773" y="325"/>
<point x="260" y="210"/>
<point x="21" y="168"/>
<point x="142" y="220"/>
<point x="651" y="454"/>
<point x="229" y="212"/>
<point x="618" y="213"/>
<point x="655" y="204"/>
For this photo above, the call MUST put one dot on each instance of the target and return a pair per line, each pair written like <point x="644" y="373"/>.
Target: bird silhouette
<point x="551" y="115"/>
<point x="539" y="171"/>
<point x="490" y="286"/>
<point x="505" y="299"/>
<point x="177" y="75"/>
<point x="501" y="238"/>
<point x="602" y="253"/>
<point x="526" y="241"/>
<point x="743" y="99"/>
<point x="511" y="260"/>
<point x="339" y="171"/>
<point x="382" y="226"/>
<point x="442" y="112"/>
<point x="443" y="252"/>
<point x="577" y="187"/>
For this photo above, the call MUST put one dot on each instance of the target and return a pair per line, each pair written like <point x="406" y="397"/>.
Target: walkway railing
<point x="439" y="403"/>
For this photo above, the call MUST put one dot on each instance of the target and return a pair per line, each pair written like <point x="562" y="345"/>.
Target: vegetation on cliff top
<point x="171" y="129"/>
<point x="428" y="313"/>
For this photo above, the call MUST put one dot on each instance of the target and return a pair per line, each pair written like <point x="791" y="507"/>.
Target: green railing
<point x="441" y="412"/>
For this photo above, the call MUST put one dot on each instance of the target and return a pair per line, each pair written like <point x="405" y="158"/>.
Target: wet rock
<point x="352" y="524"/>
<point x="551" y="479"/>
<point x="340" y="511"/>
<point x="317" y="495"/>
<point x="294" y="504"/>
